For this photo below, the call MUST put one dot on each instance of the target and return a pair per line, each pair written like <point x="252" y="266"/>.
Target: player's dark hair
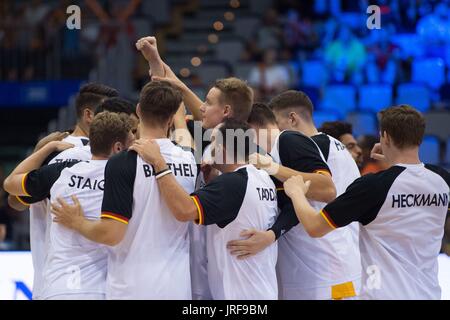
<point x="116" y="105"/>
<point x="91" y="95"/>
<point x="159" y="101"/>
<point x="336" y="129"/>
<point x="261" y="116"/>
<point x="108" y="128"/>
<point x="404" y="124"/>
<point x="293" y="99"/>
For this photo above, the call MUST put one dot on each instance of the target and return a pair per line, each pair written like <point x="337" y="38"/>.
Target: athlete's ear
<point x="88" y="115"/>
<point x="292" y="119"/>
<point x="227" y="112"/>
<point x="118" y="147"/>
<point x="138" y="111"/>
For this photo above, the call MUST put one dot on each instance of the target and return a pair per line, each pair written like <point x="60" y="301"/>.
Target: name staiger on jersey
<point x="39" y="217"/>
<point x="401" y="212"/>
<point x="74" y="264"/>
<point x="312" y="268"/>
<point x="233" y="202"/>
<point x="152" y="261"/>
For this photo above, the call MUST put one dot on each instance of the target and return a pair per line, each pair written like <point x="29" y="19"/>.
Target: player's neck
<point x="152" y="133"/>
<point x="405" y="156"/>
<point x="308" y="129"/>
<point x="99" y="158"/>
<point x="231" y="167"/>
<point x="80" y="131"/>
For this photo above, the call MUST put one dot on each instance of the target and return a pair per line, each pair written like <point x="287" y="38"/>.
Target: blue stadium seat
<point x="375" y="97"/>
<point x="320" y="117"/>
<point x="414" y="94"/>
<point x="430" y="71"/>
<point x="429" y="150"/>
<point x="314" y="73"/>
<point x="339" y="98"/>
<point x="363" y="123"/>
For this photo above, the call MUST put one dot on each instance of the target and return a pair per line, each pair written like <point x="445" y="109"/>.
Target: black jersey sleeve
<point x="362" y="200"/>
<point x="219" y="201"/>
<point x="120" y="173"/>
<point x="300" y="153"/>
<point x="36" y="184"/>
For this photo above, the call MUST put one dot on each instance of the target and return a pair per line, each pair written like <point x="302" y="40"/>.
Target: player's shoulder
<point x="291" y="135"/>
<point x="443" y="173"/>
<point x="385" y="178"/>
<point x="233" y="179"/>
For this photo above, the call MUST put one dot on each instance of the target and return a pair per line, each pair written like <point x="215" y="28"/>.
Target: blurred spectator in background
<point x="269" y="77"/>
<point x="345" y="57"/>
<point x="434" y="29"/>
<point x="343" y="132"/>
<point x="382" y="56"/>
<point x="446" y="240"/>
<point x="369" y="165"/>
<point x="300" y="34"/>
<point x="269" y="33"/>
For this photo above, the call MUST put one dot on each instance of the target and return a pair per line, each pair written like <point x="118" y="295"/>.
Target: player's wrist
<point x="160" y="164"/>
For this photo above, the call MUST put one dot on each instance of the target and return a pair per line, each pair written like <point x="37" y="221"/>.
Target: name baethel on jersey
<point x="152" y="261"/>
<point x="311" y="268"/>
<point x="233" y="202"/>
<point x="75" y="267"/>
<point x="39" y="217"/>
<point x="401" y="212"/>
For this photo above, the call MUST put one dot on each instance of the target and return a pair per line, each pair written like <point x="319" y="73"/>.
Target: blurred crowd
<point x="330" y="31"/>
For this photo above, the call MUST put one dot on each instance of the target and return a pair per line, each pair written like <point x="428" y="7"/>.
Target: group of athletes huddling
<point x="239" y="200"/>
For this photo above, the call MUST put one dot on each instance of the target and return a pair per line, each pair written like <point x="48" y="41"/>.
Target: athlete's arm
<point x="16" y="204"/>
<point x="106" y="231"/>
<point x="191" y="100"/>
<point x="14" y="183"/>
<point x="322" y="187"/>
<point x="181" y="134"/>
<point x="312" y="220"/>
<point x="147" y="46"/>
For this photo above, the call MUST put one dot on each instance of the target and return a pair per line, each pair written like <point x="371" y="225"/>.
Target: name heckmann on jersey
<point x="419" y="200"/>
<point x="80" y="182"/>
<point x="178" y="169"/>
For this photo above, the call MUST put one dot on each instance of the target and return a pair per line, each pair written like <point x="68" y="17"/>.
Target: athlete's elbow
<point x="330" y="194"/>
<point x="7" y="185"/>
<point x="185" y="213"/>
<point x="15" y="204"/>
<point x="314" y="232"/>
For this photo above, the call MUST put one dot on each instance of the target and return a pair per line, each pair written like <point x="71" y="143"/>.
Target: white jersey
<point x="39" y="220"/>
<point x="314" y="268"/>
<point x="74" y="265"/>
<point x="152" y="261"/>
<point x="233" y="202"/>
<point x="402" y="212"/>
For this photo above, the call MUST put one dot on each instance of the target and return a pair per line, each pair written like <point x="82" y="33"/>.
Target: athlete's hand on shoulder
<point x="295" y="185"/>
<point x="70" y="216"/>
<point x="54" y="136"/>
<point x="149" y="151"/>
<point x="265" y="163"/>
<point x="59" y="146"/>
<point x="255" y="242"/>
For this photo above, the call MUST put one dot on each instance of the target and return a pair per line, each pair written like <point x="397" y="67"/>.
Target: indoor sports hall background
<point x="395" y="52"/>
